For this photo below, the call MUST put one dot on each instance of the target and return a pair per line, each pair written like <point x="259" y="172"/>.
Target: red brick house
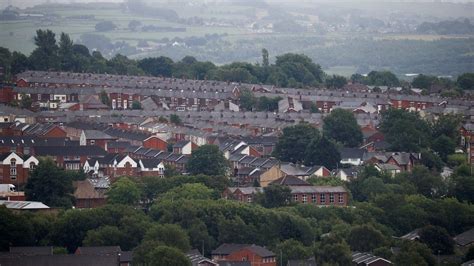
<point x="45" y="131"/>
<point x="316" y="195"/>
<point x="69" y="157"/>
<point x="406" y="161"/>
<point x="256" y="255"/>
<point x="15" y="169"/>
<point x="6" y="95"/>
<point x="155" y="143"/>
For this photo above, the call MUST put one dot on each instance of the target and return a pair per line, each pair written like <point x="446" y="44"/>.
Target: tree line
<point x="162" y="218"/>
<point x="289" y="70"/>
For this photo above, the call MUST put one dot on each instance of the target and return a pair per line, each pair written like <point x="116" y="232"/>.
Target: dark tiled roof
<point x="180" y="144"/>
<point x="465" y="238"/>
<point x="48" y="250"/>
<point x="98" y="250"/>
<point x="96" y="134"/>
<point x="351" y="153"/>
<point x="69" y="151"/>
<point x="127" y="134"/>
<point x="366" y="258"/>
<point x="48" y="260"/>
<point x="150" y="163"/>
<point x="290" y="181"/>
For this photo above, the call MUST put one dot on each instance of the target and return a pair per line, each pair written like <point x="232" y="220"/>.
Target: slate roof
<point x="150" y="163"/>
<point x="69" y="151"/>
<point x="181" y="144"/>
<point x="63" y="259"/>
<point x="366" y="258"/>
<point x="352" y="153"/>
<point x="28" y="141"/>
<point x="465" y="238"/>
<point x="127" y="134"/>
<point x="413" y="235"/>
<point x="317" y="189"/>
<point x="98" y="250"/>
<point x="290" y="181"/>
<point x="23" y="205"/>
<point x="96" y="134"/>
<point x="47" y="250"/>
<point x="196" y="258"/>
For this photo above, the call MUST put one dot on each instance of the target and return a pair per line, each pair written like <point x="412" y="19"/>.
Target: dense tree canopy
<point x="405" y="131"/>
<point x="342" y="126"/>
<point x="292" y="144"/>
<point x="49" y="184"/>
<point x="207" y="160"/>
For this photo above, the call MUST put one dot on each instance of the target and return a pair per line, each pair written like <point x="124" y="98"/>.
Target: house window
<point x="331" y="197"/>
<point x="305" y="198"/>
<point x="13" y="168"/>
<point x="249" y="199"/>
<point x="92" y="142"/>
<point x="295" y="197"/>
<point x="341" y="198"/>
<point x="313" y="198"/>
<point x="322" y="198"/>
<point x="32" y="166"/>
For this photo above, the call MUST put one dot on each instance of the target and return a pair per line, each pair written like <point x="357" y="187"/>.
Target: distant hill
<point x="447" y="27"/>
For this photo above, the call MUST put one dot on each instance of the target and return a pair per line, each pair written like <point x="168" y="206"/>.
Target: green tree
<point x="414" y="253"/>
<point x="342" y="126"/>
<point x="134" y="24"/>
<point x="464" y="188"/>
<point x="322" y="152"/>
<point x="19" y="63"/>
<point x="431" y="160"/>
<point x="335" y="82"/>
<point x="105" y="26"/>
<point x="383" y="78"/>
<point x="207" y="160"/>
<point x="25" y="101"/>
<point x="105" y="236"/>
<point x="405" y="131"/>
<point x="247" y="100"/>
<point x="157" y="66"/>
<point x="136" y="105"/>
<point x="124" y="191"/>
<point x="437" y="239"/>
<point x="334" y="254"/>
<point x="466" y="81"/>
<point x="365" y="238"/>
<point x="189" y="192"/>
<point x="104" y="98"/>
<point x="292" y="144"/>
<point x="65" y="52"/>
<point x="427" y="183"/>
<point x="45" y="56"/>
<point x="423" y="81"/>
<point x="444" y="146"/>
<point x="47" y="184"/>
<point x="265" y="61"/>
<point x="170" y="235"/>
<point x="175" y="119"/>
<point x="169" y="256"/>
<point x="274" y="196"/>
<point x="291" y="250"/>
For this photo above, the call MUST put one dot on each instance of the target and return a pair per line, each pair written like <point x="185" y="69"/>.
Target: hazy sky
<point x="29" y="3"/>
